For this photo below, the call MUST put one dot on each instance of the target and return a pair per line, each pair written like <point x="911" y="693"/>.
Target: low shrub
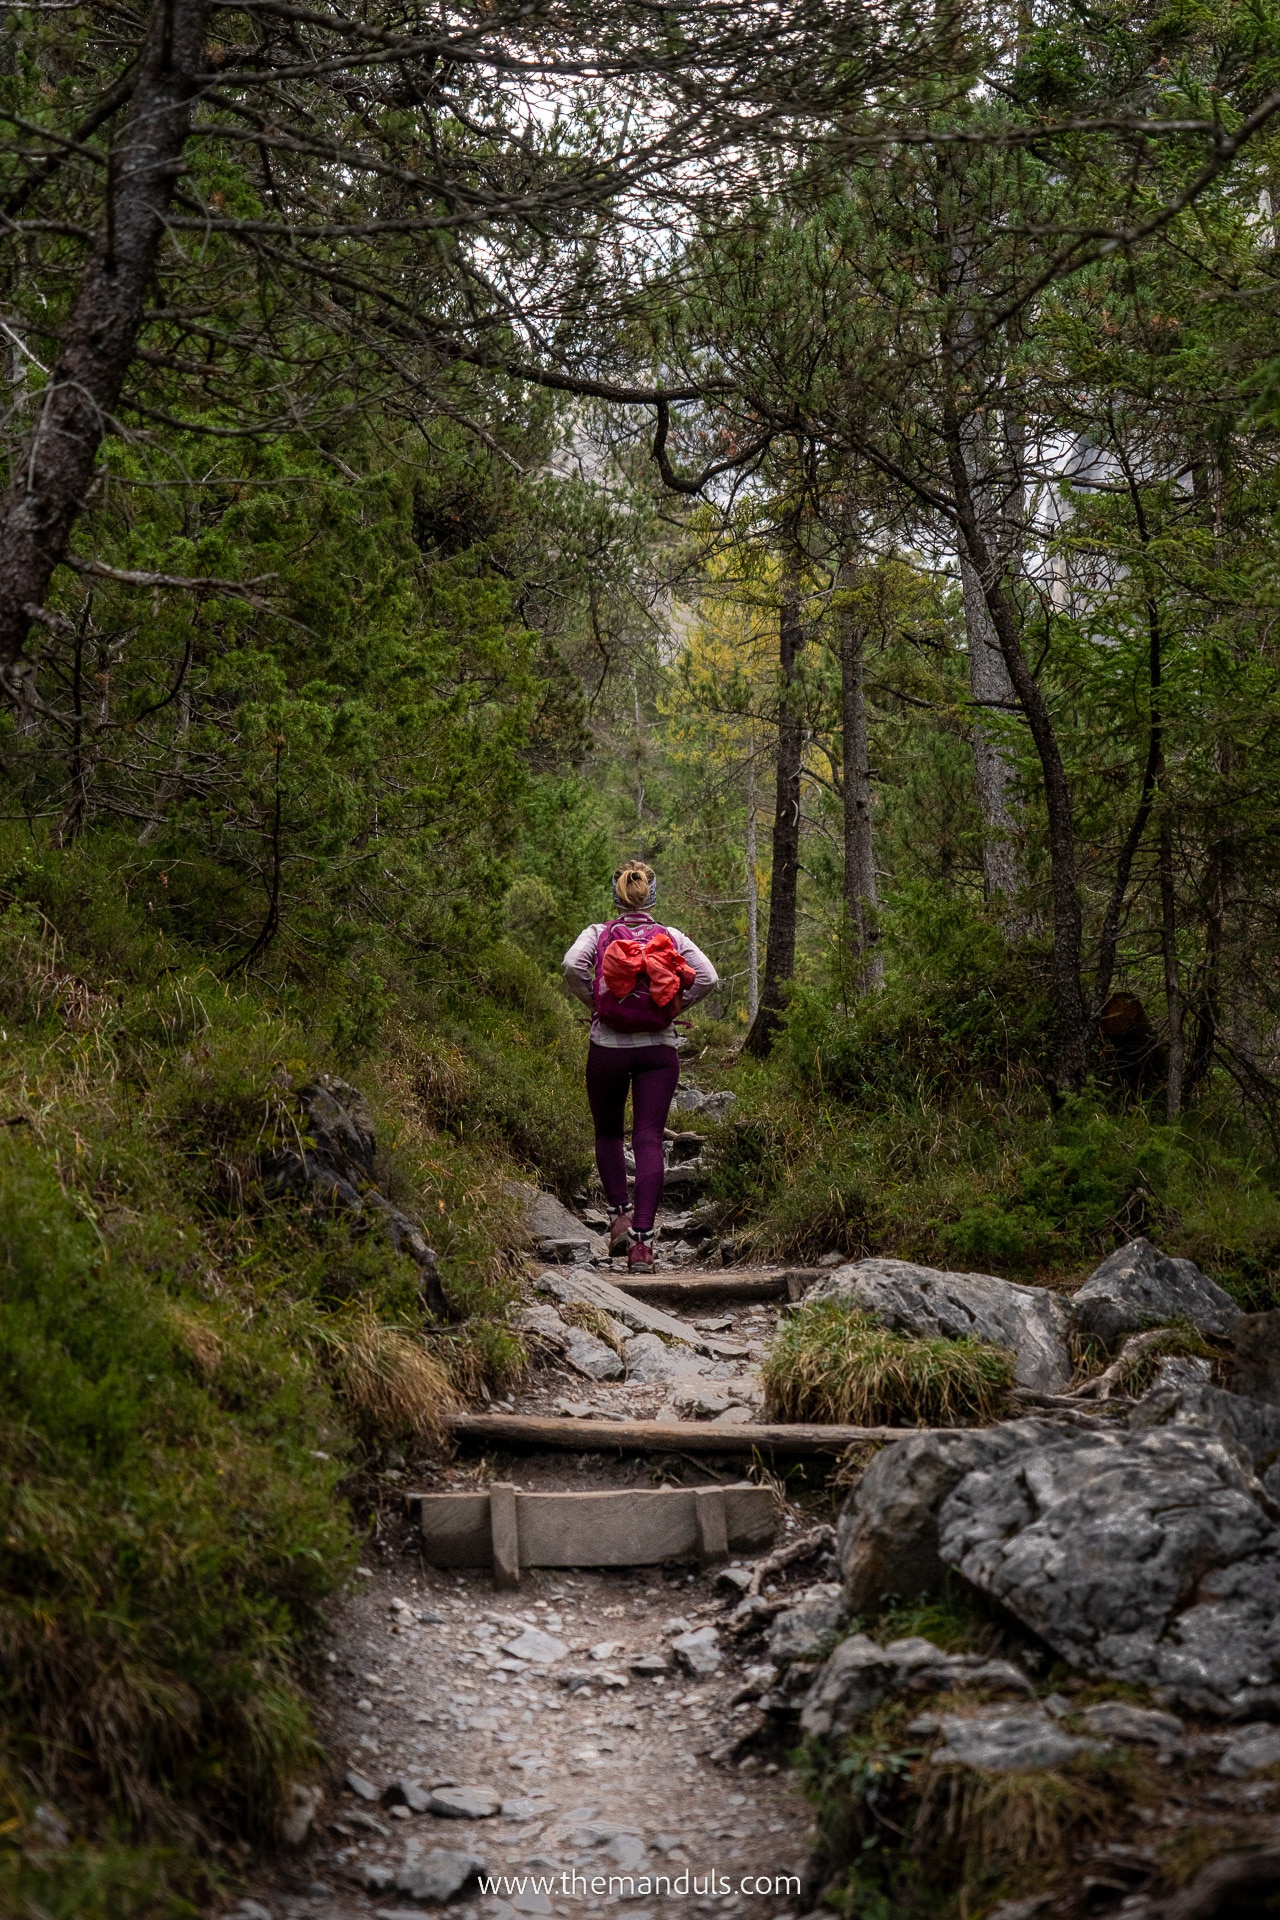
<point x="902" y="1838"/>
<point x="832" y="1362"/>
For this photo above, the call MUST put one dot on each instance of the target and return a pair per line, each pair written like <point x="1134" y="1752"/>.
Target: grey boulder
<point x="699" y="1652"/>
<point x="591" y="1357"/>
<point x="1138" y="1286"/>
<point x="595" y="1359"/>
<point x="438" y="1874"/>
<point x="1251" y="1749"/>
<point x="1193" y="1402"/>
<point x="1004" y="1739"/>
<point x="557" y="1235"/>
<point x="804" y="1629"/>
<point x="1150" y="1557"/>
<point x="860" y="1674"/>
<point x="709" y="1106"/>
<point x="464" y="1803"/>
<point x="1139" y="1726"/>
<point x="1032" y="1323"/>
<point x="887" y="1538"/>
<point x="651" y="1362"/>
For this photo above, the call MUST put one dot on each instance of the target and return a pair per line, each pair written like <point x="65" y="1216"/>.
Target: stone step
<point x="582" y="1283"/>
<point x="521" y="1431"/>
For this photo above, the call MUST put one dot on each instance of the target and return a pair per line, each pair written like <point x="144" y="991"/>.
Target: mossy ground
<point x="206" y="1392"/>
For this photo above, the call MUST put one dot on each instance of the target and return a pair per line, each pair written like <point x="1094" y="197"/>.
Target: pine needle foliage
<point x="833" y="1362"/>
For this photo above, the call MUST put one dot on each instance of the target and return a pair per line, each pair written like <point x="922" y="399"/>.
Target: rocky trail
<point x="573" y="1732"/>
<point x="522" y="1734"/>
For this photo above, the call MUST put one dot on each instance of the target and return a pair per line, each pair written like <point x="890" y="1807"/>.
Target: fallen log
<point x="521" y="1430"/>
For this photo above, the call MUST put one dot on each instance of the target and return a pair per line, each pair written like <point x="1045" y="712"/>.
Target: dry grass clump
<point x="834" y="1363"/>
<point x="393" y="1384"/>
<point x="989" y="1823"/>
<point x="581" y="1313"/>
<point x="202" y="1344"/>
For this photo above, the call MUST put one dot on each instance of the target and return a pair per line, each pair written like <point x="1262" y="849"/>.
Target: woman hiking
<point x="636" y="976"/>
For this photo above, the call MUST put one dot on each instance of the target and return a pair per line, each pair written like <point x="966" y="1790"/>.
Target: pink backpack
<point x="639" y="1012"/>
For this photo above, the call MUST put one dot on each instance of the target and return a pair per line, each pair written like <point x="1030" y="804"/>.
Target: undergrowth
<point x="981" y="1179"/>
<point x="206" y="1390"/>
<point x="902" y="1838"/>
<point x="834" y="1362"/>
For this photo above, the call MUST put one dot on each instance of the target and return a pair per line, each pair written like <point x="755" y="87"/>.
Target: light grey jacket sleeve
<point x="579" y="965"/>
<point x="705" y="974"/>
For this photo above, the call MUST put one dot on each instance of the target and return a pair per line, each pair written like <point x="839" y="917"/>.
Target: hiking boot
<point x="619" y="1235"/>
<point x="640" y="1256"/>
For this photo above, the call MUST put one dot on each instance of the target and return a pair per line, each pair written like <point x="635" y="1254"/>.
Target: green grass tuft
<point x="835" y="1363"/>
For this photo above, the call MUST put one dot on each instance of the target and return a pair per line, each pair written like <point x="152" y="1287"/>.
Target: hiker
<point x="636" y="976"/>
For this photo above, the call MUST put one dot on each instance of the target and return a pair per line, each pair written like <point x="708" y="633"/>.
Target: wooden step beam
<point x="520" y="1431"/>
<point x="507" y="1529"/>
<point x="705" y="1289"/>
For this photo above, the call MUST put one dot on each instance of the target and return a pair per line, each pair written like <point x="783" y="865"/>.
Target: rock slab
<point x="1004" y="1739"/>
<point x="464" y="1803"/>
<point x="535" y="1646"/>
<point x="1030" y="1322"/>
<point x="1149" y="1557"/>
<point x="1137" y="1286"/>
<point x="861" y="1673"/>
<point x="1140" y="1726"/>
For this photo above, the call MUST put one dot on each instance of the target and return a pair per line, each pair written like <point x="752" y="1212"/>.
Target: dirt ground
<point x="616" y="1795"/>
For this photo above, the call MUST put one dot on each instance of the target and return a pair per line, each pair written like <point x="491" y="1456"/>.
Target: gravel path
<point x="597" y="1789"/>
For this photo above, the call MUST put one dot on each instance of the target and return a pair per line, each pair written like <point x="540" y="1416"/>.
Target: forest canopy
<point x="945" y="344"/>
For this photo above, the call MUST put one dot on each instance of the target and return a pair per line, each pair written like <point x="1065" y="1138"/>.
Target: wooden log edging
<point x="520" y="1431"/>
<point x="709" y="1289"/>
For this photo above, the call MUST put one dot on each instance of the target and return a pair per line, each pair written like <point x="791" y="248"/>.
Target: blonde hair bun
<point x="633" y="884"/>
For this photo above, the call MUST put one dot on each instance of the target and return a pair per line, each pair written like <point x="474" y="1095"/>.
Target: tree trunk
<point x="753" y="895"/>
<point x="1208" y="1011"/>
<point x="859" y="853"/>
<point x="780" y="947"/>
<point x="54" y="471"/>
<point x="1172" y="984"/>
<point x="997" y="507"/>
<point x="1067" y="926"/>
<point x="991" y="688"/>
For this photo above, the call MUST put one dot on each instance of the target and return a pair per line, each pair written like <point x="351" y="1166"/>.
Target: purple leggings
<point x="650" y="1075"/>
